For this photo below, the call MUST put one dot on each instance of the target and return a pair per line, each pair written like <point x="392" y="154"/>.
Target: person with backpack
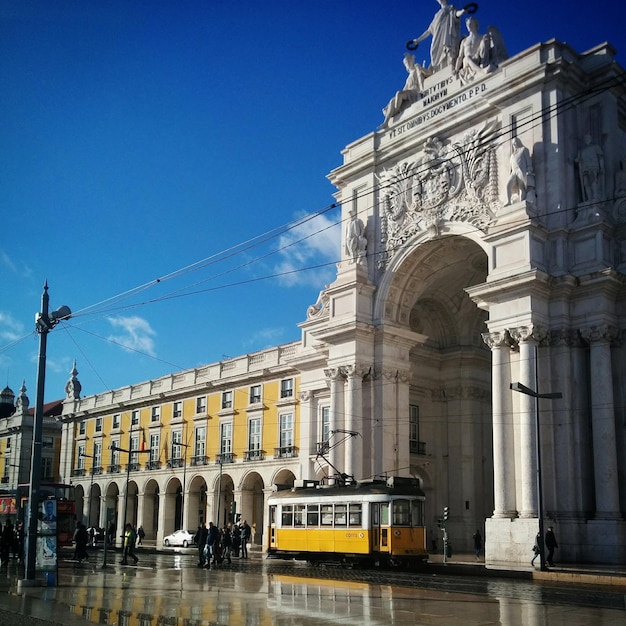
<point x="130" y="538"/>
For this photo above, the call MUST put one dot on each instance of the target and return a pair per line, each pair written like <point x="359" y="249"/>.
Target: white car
<point x="182" y="538"/>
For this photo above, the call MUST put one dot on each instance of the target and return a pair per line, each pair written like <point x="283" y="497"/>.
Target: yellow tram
<point x="373" y="522"/>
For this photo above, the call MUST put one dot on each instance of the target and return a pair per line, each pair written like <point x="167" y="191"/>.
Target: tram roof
<point x="390" y="487"/>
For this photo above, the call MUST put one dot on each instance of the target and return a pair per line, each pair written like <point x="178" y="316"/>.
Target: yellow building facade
<point x="206" y="444"/>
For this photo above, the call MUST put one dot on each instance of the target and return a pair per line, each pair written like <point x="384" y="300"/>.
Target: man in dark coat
<point x="551" y="544"/>
<point x="201" y="539"/>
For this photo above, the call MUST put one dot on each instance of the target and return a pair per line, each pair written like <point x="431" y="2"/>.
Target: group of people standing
<point x="217" y="545"/>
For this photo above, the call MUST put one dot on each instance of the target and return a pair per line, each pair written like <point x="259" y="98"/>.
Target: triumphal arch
<point x="484" y="245"/>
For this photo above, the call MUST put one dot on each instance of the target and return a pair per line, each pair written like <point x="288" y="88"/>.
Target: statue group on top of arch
<point x="469" y="57"/>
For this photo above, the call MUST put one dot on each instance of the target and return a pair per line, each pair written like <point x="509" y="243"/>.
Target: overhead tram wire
<point x="213" y="259"/>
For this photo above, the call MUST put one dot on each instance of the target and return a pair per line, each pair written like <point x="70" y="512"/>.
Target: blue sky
<point x="155" y="154"/>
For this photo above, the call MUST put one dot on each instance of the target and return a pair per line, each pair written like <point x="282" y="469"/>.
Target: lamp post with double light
<point x="519" y="387"/>
<point x="45" y="321"/>
<point x="116" y="448"/>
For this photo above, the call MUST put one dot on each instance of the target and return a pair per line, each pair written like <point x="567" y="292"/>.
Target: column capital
<point x="357" y="370"/>
<point x="530" y="333"/>
<point x="334" y="373"/>
<point x="601" y="333"/>
<point x="497" y="339"/>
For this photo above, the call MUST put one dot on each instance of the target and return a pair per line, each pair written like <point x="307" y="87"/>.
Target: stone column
<point x="528" y="506"/>
<point x="354" y="421"/>
<point x="140" y="504"/>
<point x="503" y="448"/>
<point x="308" y="425"/>
<point x="335" y="377"/>
<point x="603" y="420"/>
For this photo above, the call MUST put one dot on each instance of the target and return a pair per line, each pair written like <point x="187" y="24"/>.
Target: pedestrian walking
<point x="551" y="544"/>
<point x="140" y="535"/>
<point x="200" y="538"/>
<point x="130" y="537"/>
<point x="246" y="533"/>
<point x="236" y="540"/>
<point x="212" y="545"/>
<point x="227" y="543"/>
<point x="81" y="539"/>
<point x="478" y="543"/>
<point x="537" y="548"/>
<point x="6" y="542"/>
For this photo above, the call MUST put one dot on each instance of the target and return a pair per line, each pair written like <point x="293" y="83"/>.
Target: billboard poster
<point x="47" y="518"/>
<point x="46" y="555"/>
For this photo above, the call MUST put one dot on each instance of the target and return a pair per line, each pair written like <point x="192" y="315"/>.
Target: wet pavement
<point x="166" y="588"/>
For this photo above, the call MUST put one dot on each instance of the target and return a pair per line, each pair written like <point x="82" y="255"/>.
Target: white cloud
<point x="19" y="269"/>
<point x="137" y="334"/>
<point x="10" y="329"/>
<point x="315" y="242"/>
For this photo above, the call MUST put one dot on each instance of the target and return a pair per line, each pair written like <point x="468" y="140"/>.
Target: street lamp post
<point x="115" y="447"/>
<point x="89" y="456"/>
<point x="547" y="396"/>
<point x="44" y="323"/>
<point x="182" y="495"/>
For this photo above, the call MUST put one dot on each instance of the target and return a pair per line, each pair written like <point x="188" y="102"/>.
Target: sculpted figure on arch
<point x="479" y="54"/>
<point x="445" y="30"/>
<point x="410" y="92"/>
<point x="522" y="178"/>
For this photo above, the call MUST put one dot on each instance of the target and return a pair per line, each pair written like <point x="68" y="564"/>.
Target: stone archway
<point x="80" y="502"/>
<point x="93" y="510"/>
<point x="448" y="383"/>
<point x="196" y="502"/>
<point x="150" y="515"/>
<point x="172" y="518"/>
<point x="112" y="508"/>
<point x="223" y="497"/>
<point x="253" y="504"/>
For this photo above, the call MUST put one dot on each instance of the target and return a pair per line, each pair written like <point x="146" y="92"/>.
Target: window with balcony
<point x="81" y="458"/>
<point x="286" y="388"/>
<point x="155" y="414"/>
<point x="286" y="449"/>
<point x="254" y="452"/>
<point x="323" y="445"/>
<point x="115" y="456"/>
<point x="415" y="445"/>
<point x="154" y="451"/>
<point x="46" y="468"/>
<point x="199" y="449"/>
<point x="226" y="442"/>
<point x="97" y="458"/>
<point x="255" y="394"/>
<point x="177" y="409"/>
<point x="227" y="400"/>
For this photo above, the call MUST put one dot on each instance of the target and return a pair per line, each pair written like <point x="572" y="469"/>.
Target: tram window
<point x="272" y="515"/>
<point x="341" y="511"/>
<point x="313" y="515"/>
<point x="384" y="513"/>
<point x="298" y="515"/>
<point x="355" y="515"/>
<point x="417" y="513"/>
<point x="401" y="511"/>
<point x="327" y="514"/>
<point x="287" y="518"/>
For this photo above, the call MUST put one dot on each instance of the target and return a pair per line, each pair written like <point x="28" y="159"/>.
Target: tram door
<point x="272" y="527"/>
<point x="380" y="526"/>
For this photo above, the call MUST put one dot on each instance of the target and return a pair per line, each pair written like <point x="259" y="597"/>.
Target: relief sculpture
<point x="447" y="182"/>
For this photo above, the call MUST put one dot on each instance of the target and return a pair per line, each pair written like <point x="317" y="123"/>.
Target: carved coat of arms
<point x="448" y="182"/>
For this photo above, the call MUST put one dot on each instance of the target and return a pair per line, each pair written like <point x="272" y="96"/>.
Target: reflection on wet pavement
<point x="166" y="590"/>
